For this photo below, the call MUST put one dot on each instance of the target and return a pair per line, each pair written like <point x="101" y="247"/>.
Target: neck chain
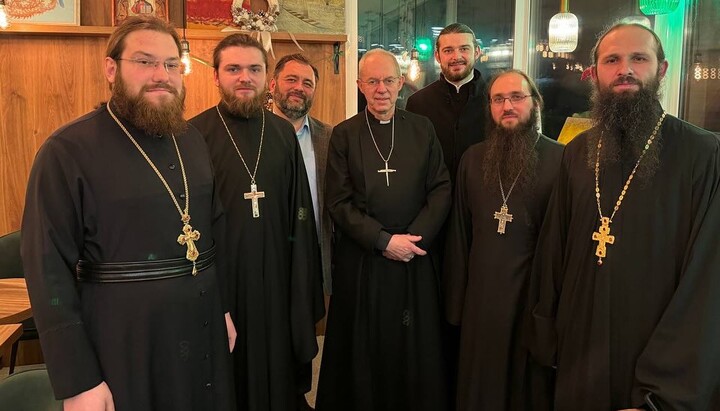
<point x="503" y="216"/>
<point x="602" y="236"/>
<point x="387" y="170"/>
<point x="189" y="235"/>
<point x="253" y="194"/>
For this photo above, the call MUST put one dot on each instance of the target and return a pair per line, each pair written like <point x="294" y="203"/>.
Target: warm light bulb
<point x="563" y="32"/>
<point x="185" y="57"/>
<point x="4" y="23"/>
<point x="414" y="67"/>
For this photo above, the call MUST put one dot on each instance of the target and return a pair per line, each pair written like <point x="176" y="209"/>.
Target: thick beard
<point x="154" y="120"/>
<point x="244" y="108"/>
<point x="625" y="121"/>
<point x="460" y="76"/>
<point x="290" y="110"/>
<point x="511" y="151"/>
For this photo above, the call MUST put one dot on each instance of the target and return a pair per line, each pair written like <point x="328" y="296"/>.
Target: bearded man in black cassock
<point x="627" y="279"/>
<point x="117" y="243"/>
<point x="275" y="274"/>
<point x="501" y="194"/>
<point x="388" y="192"/>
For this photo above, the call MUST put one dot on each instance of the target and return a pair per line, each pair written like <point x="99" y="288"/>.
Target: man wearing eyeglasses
<point x="456" y="103"/>
<point x="388" y="192"/>
<point x="118" y="244"/>
<point x="501" y="193"/>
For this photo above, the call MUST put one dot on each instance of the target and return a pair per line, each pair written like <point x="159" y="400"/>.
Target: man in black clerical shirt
<point x="625" y="284"/>
<point x="118" y="244"/>
<point x="275" y="282"/>
<point x="501" y="194"/>
<point x="388" y="193"/>
<point x="456" y="103"/>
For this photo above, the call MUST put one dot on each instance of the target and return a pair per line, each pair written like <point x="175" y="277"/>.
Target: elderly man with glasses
<point x="388" y="192"/>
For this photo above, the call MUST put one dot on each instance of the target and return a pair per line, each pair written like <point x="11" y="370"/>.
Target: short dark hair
<point x="237" y="40"/>
<point x="456" y="28"/>
<point x="298" y="58"/>
<point x="534" y="92"/>
<point x="659" y="51"/>
<point x="116" y="43"/>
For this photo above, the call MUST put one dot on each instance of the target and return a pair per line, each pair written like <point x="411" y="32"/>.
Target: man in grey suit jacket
<point x="293" y="89"/>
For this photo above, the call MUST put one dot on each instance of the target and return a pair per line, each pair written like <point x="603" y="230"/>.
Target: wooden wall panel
<point x="48" y="80"/>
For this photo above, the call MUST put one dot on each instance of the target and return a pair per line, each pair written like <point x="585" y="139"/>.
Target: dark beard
<point x="161" y="121"/>
<point x="292" y="111"/>
<point x="625" y="121"/>
<point x="509" y="152"/>
<point x="244" y="108"/>
<point x="457" y="77"/>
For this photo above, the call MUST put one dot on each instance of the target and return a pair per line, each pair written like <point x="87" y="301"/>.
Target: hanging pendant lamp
<point x="563" y="30"/>
<point x="654" y="7"/>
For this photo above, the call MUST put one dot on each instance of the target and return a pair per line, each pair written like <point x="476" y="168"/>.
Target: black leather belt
<point x="142" y="270"/>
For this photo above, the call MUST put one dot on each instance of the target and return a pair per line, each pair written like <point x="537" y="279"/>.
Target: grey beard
<point x="625" y="122"/>
<point x="163" y="120"/>
<point x="292" y="113"/>
<point x="509" y="152"/>
<point x="244" y="108"/>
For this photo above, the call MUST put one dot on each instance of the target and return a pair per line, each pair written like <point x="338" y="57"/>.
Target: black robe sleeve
<point x="52" y="240"/>
<point x="431" y="217"/>
<point x="457" y="247"/>
<point x="307" y="305"/>
<point x="339" y="192"/>
<point x="546" y="277"/>
<point x="679" y="369"/>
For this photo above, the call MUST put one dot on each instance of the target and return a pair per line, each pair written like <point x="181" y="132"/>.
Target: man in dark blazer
<point x="456" y="103"/>
<point x="293" y="89"/>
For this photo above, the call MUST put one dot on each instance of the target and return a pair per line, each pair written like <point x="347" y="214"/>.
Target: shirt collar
<point x="461" y="82"/>
<point x="305" y="128"/>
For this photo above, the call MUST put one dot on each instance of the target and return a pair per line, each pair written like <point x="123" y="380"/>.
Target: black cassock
<point x="275" y="281"/>
<point x="382" y="347"/>
<point x="160" y="344"/>
<point x="643" y="327"/>
<point x="485" y="283"/>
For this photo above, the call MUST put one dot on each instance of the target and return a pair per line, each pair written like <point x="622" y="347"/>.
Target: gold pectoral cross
<point x="603" y="237"/>
<point x="188" y="238"/>
<point x="254" y="195"/>
<point x="503" y="218"/>
<point x="387" y="170"/>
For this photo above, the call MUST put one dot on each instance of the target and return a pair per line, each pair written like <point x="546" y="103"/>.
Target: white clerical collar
<point x="462" y="82"/>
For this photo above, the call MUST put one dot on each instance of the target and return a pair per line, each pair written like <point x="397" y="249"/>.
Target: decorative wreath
<point x="263" y="20"/>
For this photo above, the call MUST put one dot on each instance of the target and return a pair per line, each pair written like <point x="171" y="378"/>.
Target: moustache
<point x="625" y="80"/>
<point x="460" y="61"/>
<point x="160" y="86"/>
<point x="297" y="94"/>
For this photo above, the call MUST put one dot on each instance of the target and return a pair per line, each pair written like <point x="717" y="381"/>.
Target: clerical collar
<point x="376" y="120"/>
<point x="459" y="84"/>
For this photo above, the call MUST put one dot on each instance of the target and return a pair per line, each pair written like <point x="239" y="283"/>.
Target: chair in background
<point x="28" y="391"/>
<point x="11" y="267"/>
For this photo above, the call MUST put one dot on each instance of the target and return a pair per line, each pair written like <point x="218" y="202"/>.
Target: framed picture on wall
<point x="123" y="9"/>
<point x="59" y="12"/>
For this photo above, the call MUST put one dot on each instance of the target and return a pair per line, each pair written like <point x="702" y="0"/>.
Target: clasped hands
<point x="402" y="247"/>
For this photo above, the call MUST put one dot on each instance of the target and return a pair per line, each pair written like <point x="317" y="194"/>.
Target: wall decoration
<point x="123" y="9"/>
<point x="60" y="12"/>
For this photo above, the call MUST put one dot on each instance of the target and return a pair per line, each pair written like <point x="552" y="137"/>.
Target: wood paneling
<point x="49" y="79"/>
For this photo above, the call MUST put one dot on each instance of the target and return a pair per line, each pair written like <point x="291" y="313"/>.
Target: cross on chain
<point x="188" y="238"/>
<point x="254" y="195"/>
<point x="603" y="237"/>
<point x="387" y="170"/>
<point x="503" y="217"/>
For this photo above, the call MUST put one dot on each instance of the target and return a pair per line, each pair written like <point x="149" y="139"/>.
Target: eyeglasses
<point x="171" y="67"/>
<point x="387" y="81"/>
<point x="514" y="99"/>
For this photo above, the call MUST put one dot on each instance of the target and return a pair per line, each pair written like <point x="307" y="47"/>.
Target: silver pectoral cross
<point x="254" y="195"/>
<point x="387" y="170"/>
<point x="503" y="217"/>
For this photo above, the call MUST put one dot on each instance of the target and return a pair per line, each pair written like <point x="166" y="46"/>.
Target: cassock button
<point x="182" y="195"/>
<point x="206" y="356"/>
<point x="171" y="166"/>
<point x="208" y="386"/>
<point x="205" y="324"/>
<point x="202" y="293"/>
